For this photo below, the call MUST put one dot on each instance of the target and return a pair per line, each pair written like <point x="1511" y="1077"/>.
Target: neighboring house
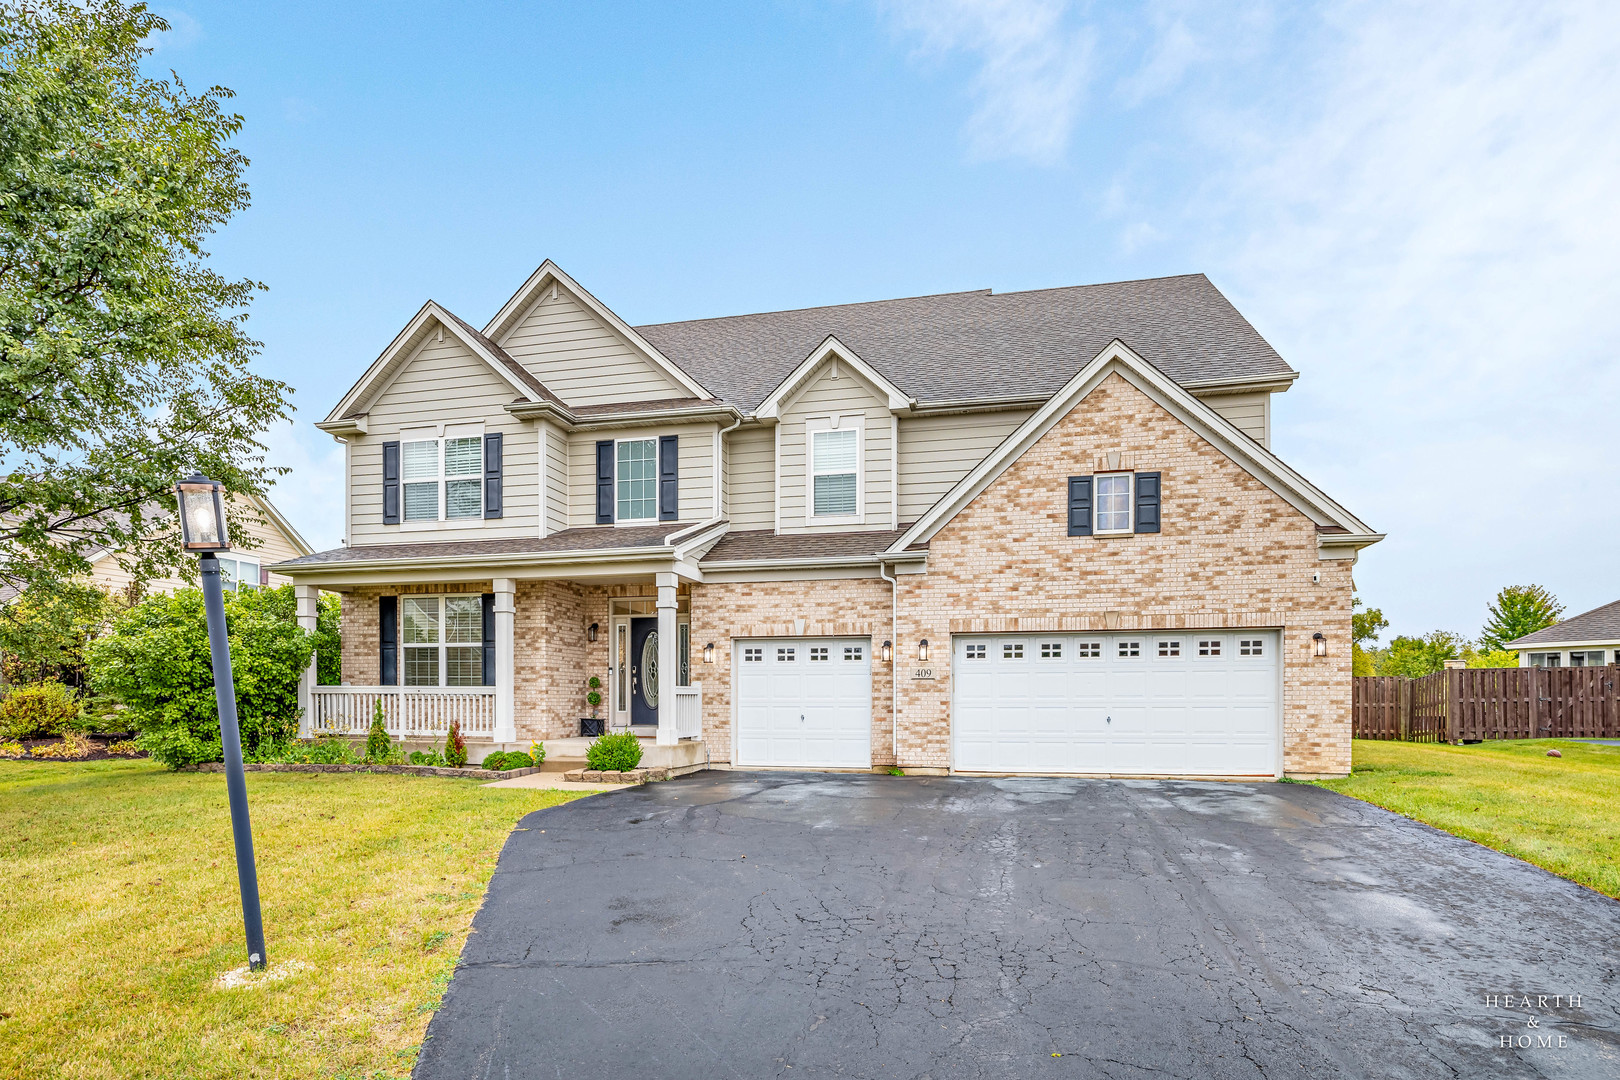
<point x="1028" y="532"/>
<point x="1591" y="639"/>
<point x="242" y="567"/>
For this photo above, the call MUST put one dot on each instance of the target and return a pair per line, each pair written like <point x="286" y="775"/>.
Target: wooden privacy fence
<point x="1489" y="703"/>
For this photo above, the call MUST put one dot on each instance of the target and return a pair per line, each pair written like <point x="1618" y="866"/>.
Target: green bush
<point x="47" y="708"/>
<point x="508" y="759"/>
<point x="619" y="752"/>
<point x="155" y="661"/>
<point x="537" y="753"/>
<point x="332" y="750"/>
<point x="428" y="757"/>
<point x="379" y="747"/>
<point x="455" y="747"/>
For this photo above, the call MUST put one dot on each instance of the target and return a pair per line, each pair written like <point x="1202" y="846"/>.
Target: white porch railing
<point x="689" y="712"/>
<point x="408" y="711"/>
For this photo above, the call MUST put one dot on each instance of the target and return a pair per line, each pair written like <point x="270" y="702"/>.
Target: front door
<point x="644" y="672"/>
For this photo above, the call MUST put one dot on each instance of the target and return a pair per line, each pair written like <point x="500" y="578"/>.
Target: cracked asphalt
<point x="732" y="924"/>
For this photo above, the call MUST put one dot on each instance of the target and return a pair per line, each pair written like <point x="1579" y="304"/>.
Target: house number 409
<point x="922" y="673"/>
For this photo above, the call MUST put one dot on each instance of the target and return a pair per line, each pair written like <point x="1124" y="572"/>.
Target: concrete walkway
<point x="551" y="782"/>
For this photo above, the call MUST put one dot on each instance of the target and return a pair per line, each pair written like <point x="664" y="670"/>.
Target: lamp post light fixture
<point x="1318" y="644"/>
<point x="203" y="530"/>
<point x="708" y="653"/>
<point x="922" y="650"/>
<point x="888" y="652"/>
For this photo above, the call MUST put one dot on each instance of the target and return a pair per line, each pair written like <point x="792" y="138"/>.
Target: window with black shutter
<point x="489" y="638"/>
<point x="604" y="482"/>
<point x="669" y="507"/>
<point x="390" y="483"/>
<point x="1147" y="502"/>
<point x="1079" y="506"/>
<point x="492" y="475"/>
<point x="388" y="640"/>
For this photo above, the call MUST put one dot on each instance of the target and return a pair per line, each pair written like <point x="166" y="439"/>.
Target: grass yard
<point x="120" y="911"/>
<point x="1562" y="814"/>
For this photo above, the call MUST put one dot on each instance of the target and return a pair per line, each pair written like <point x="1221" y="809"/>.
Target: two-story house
<point x="1029" y="532"/>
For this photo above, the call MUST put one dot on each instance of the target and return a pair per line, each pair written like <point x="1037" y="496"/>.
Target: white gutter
<point x="719" y="438"/>
<point x="505" y="558"/>
<point x="828" y="561"/>
<point x="894" y="678"/>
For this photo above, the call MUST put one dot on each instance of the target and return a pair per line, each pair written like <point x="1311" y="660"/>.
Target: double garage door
<point x="1199" y="703"/>
<point x="1183" y="704"/>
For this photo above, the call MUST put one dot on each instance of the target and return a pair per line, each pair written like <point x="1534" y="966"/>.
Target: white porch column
<point x="505" y="662"/>
<point x="667" y="661"/>
<point x="307" y="599"/>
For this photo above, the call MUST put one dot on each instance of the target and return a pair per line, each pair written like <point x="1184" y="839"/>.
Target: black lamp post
<point x="202" y="527"/>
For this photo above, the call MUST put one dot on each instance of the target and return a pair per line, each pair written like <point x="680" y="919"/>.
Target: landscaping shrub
<point x="155" y="662"/>
<point x="379" y="747"/>
<point x="47" y="708"/>
<point x="508" y="759"/>
<point x="72" y="747"/>
<point x="428" y="757"/>
<point x="455" y="747"/>
<point x="123" y="748"/>
<point x="619" y="752"/>
<point x="331" y="750"/>
<point x="12" y="750"/>
<point x="44" y="630"/>
<point x="537" y="753"/>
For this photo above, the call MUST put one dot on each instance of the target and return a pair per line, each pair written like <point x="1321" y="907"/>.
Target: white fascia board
<point x="550" y="273"/>
<point x="1559" y="646"/>
<point x="827" y="562"/>
<point x="1243" y="384"/>
<point x="695" y="536"/>
<point x="1214" y="428"/>
<point x="382" y="368"/>
<point x="771" y="407"/>
<point x="504" y="560"/>
<point x="280" y="521"/>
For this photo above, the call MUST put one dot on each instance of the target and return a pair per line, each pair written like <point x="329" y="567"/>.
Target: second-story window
<point x="835" y="473"/>
<point x="637" y="475"/>
<point x="443" y="479"/>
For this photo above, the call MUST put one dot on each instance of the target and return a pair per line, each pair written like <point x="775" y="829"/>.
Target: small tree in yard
<point x="455" y="747"/>
<point x="379" y="747"/>
<point x="1519" y="610"/>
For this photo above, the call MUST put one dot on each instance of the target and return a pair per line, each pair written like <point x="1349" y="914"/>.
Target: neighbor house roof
<point x="970" y="346"/>
<point x="1599" y="624"/>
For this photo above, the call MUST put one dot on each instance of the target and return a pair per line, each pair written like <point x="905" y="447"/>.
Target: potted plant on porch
<point x="591" y="726"/>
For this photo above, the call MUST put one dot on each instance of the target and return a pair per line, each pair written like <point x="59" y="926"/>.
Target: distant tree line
<point x="1517" y="611"/>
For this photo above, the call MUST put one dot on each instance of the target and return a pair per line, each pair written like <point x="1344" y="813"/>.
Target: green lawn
<point x="120" y="911"/>
<point x="1562" y="814"/>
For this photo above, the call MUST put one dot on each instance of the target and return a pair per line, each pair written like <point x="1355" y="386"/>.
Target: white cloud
<point x="311" y="496"/>
<point x="1032" y="73"/>
<point x="183" y="31"/>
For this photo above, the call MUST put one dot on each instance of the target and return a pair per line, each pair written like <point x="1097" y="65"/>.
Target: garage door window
<point x="1129" y="649"/>
<point x="1051" y="650"/>
<point x="975" y="652"/>
<point x="818" y="654"/>
<point x="1088" y="650"/>
<point x="1169" y="648"/>
<point x="753" y="656"/>
<point x="1211" y="647"/>
<point x="1012" y="652"/>
<point x="854" y="652"/>
<point x="784" y="656"/>
<point x="1251" y="646"/>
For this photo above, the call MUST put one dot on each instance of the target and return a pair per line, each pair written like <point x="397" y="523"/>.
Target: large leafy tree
<point x="1365" y="626"/>
<point x="1415" y="657"/>
<point x="123" y="355"/>
<point x="1519" y="610"/>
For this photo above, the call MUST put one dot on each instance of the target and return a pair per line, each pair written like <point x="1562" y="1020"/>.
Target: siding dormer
<point x="835" y="454"/>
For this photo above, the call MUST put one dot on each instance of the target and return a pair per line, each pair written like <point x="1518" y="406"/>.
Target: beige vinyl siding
<point x="581" y="359"/>
<point x="937" y="451"/>
<point x="556" y="443"/>
<point x="846" y="396"/>
<point x="444" y="383"/>
<point x="694" y="464"/>
<point x="273" y="547"/>
<point x="753" y="497"/>
<point x="1250" y="412"/>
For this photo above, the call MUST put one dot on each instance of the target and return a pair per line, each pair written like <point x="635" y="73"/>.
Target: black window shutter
<point x="669" y="498"/>
<point x="492" y="476"/>
<point x="390" y="483"/>
<point x="388" y="639"/>
<point x="1079" y="506"/>
<point x="489" y="639"/>
<point x="604" y="482"/>
<point x="1147" y="502"/>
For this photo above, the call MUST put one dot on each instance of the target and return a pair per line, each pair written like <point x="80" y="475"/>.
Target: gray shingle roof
<point x="765" y="544"/>
<point x="1599" y="624"/>
<point x="962" y="346"/>
<point x="587" y="538"/>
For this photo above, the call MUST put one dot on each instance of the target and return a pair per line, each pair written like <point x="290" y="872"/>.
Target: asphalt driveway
<point x="803" y="925"/>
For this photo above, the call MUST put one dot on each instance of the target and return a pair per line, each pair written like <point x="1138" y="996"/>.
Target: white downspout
<point x="719" y="459"/>
<point x="894" y="678"/>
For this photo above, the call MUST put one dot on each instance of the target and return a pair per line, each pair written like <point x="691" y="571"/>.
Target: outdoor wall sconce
<point x="1319" y="644"/>
<point x="590" y="635"/>
<point x="888" y="652"/>
<point x="922" y="650"/>
<point x="708" y="653"/>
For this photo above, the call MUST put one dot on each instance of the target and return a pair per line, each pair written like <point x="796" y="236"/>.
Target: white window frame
<point x="441" y="645"/>
<point x="841" y="422"/>
<point x="618" y="478"/>
<point x="1130" y="504"/>
<point x="235" y="582"/>
<point x="442" y="433"/>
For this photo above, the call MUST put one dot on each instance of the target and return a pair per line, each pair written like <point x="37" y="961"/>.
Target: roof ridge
<point x="816" y="307"/>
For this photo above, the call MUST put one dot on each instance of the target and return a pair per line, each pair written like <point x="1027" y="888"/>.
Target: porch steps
<point x="689" y="755"/>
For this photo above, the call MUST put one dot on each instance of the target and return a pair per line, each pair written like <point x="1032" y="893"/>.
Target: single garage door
<point x="804" y="702"/>
<point x="1196" y="703"/>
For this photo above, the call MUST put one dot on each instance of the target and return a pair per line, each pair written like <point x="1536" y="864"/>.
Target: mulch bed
<point x="99" y="744"/>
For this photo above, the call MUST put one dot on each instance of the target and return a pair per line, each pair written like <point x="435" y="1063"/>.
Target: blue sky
<point x="1416" y="204"/>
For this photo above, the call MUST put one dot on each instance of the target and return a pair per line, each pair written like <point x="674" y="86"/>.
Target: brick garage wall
<point x="1231" y="554"/>
<point x="842" y="608"/>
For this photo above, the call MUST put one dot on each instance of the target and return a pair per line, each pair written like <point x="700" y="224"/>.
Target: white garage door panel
<point x="804" y="702"/>
<point x="1178" y="704"/>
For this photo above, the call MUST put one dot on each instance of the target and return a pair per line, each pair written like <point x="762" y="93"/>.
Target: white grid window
<point x="1089" y="649"/>
<point x="1014" y="651"/>
<point x="1113" y="498"/>
<point x="637" y="480"/>
<point x="753" y="656"/>
<point x="1251" y="646"/>
<point x="819" y="653"/>
<point x="835" y="473"/>
<point x="443" y="640"/>
<point x="443" y="478"/>
<point x="1129" y="649"/>
<point x="1051" y="650"/>
<point x="237" y="574"/>
<point x="854" y="652"/>
<point x="1211" y="647"/>
<point x="975" y="652"/>
<point x="1169" y="648"/>
<point x="784" y="656"/>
